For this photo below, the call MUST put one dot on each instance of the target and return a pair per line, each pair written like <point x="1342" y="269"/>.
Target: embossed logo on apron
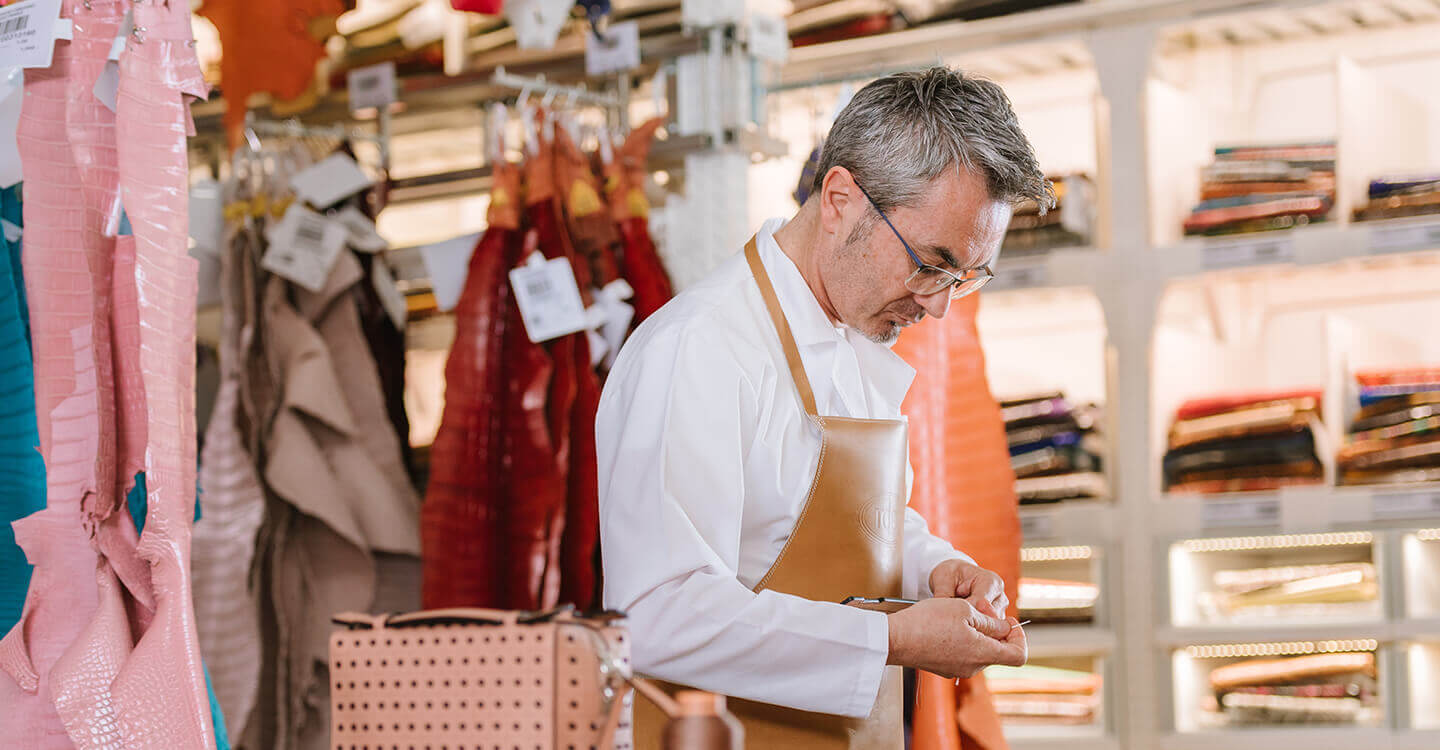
<point x="878" y="520"/>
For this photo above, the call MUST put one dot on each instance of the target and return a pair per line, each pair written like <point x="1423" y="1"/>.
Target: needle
<point x="1016" y="625"/>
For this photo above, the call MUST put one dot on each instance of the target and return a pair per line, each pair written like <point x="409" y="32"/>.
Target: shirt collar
<point x="887" y="375"/>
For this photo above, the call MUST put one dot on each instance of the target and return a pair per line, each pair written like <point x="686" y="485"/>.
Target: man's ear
<point x="837" y="191"/>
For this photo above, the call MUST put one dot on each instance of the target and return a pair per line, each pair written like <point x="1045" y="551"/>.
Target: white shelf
<point x="1297" y="510"/>
<point x="1316" y="244"/>
<point x="1423" y="629"/>
<point x="1058" y="738"/>
<point x="1061" y="267"/>
<point x="1068" y="522"/>
<point x="1179" y="637"/>
<point x="1048" y="641"/>
<point x="1309" y="738"/>
<point x="1416" y="740"/>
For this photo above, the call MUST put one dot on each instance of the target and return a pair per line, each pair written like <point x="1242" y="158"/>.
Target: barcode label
<point x="310" y="232"/>
<point x="372" y="87"/>
<point x="1398" y="505"/>
<point x="1403" y="239"/>
<point x="15" y="24"/>
<point x="28" y="31"/>
<point x="548" y="298"/>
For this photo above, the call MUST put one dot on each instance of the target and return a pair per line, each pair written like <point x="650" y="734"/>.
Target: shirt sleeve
<point x="674" y="425"/>
<point x="923" y="550"/>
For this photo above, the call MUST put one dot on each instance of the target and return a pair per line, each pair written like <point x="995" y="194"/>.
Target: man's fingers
<point x="991" y="626"/>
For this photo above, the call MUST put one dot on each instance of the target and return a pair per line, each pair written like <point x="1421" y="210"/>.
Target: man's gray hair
<point x="901" y="131"/>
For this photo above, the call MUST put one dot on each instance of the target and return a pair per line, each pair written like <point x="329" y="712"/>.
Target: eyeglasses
<point x="926" y="279"/>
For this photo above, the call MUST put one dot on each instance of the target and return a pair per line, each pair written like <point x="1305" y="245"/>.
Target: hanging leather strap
<point x="782" y="326"/>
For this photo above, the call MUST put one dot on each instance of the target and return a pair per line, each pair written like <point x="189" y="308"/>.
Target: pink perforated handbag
<point x="482" y="679"/>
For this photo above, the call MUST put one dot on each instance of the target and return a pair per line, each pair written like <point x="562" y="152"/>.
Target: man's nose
<point x="937" y="304"/>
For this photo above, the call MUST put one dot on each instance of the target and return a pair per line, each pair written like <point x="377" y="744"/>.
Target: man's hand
<point x="974" y="584"/>
<point x="949" y="637"/>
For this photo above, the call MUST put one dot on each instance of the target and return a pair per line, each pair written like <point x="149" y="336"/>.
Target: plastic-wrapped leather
<point x="62" y="264"/>
<point x="226" y="612"/>
<point x="964" y="487"/>
<point x="625" y="189"/>
<point x="160" y="693"/>
<point x="541" y="393"/>
<point x="460" y="517"/>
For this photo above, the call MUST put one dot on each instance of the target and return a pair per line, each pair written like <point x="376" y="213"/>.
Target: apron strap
<point x="782" y="327"/>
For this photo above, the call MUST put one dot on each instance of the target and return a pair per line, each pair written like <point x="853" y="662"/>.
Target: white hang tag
<point x="336" y="178"/>
<point x="12" y="231"/>
<point x="447" y="264"/>
<point x="12" y="81"/>
<point x="549" y="299"/>
<point x="304" y="248"/>
<point x="372" y="86"/>
<point x="363" y="236"/>
<point x="28" y="32"/>
<point x="599" y="348"/>
<point x="618" y="316"/>
<point x="537" y="23"/>
<point x="618" y="51"/>
<point x="390" y="295"/>
<point x="127" y="25"/>
<point x="207" y="216"/>
<point x="107" y="84"/>
<point x="769" y="38"/>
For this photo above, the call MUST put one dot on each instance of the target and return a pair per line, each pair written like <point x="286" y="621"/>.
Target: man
<point x="751" y="448"/>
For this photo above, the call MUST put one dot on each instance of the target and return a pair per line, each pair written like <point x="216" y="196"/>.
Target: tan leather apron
<point x="847" y="542"/>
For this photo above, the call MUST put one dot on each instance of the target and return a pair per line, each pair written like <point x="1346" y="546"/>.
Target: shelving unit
<point x="1163" y="83"/>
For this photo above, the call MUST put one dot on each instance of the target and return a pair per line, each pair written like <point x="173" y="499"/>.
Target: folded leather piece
<point x="1294" y="669"/>
<point x="160" y="693"/>
<point x="1282" y="416"/>
<point x="1055" y="601"/>
<point x="461" y="514"/>
<point x="1206" y="406"/>
<point x="226" y="611"/>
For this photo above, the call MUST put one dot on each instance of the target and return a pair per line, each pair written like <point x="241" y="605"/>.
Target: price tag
<point x="618" y="51"/>
<point x="549" y="298"/>
<point x="1395" y="505"/>
<point x="390" y="295"/>
<point x="1020" y="276"/>
<point x="1035" y="526"/>
<point x="324" y="184"/>
<point x="372" y="87"/>
<point x="537" y="23"/>
<point x="769" y="38"/>
<point x="1250" y="511"/>
<point x="1249" y="252"/>
<point x="1405" y="239"/>
<point x="28" y="32"/>
<point x="448" y="263"/>
<point x="363" y="236"/>
<point x="304" y="248"/>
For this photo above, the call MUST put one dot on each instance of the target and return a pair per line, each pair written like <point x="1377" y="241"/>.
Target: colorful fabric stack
<point x="1245" y="442"/>
<point x="1336" y="688"/>
<point x="1292" y="591"/>
<point x="1400" y="196"/>
<point x="1259" y="188"/>
<point x="1395" y="436"/>
<point x="1044" y="601"/>
<point x="1055" y="448"/>
<point x="1044" y="695"/>
<point x="1067" y="224"/>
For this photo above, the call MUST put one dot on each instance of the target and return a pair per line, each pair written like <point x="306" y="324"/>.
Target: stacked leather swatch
<point x="1055" y="448"/>
<point x="1067" y="224"/>
<point x="1321" y="590"/>
<point x="1253" y="441"/>
<point x="1044" y="695"/>
<point x="1400" y="196"/>
<point x="1395" y="435"/>
<point x="1340" y="688"/>
<point x="1047" y="601"/>
<point x="1258" y="188"/>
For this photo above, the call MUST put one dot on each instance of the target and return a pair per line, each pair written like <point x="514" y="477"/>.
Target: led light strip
<point x="1247" y="543"/>
<point x="1428" y="535"/>
<point x="1055" y="554"/>
<point x="1288" y="648"/>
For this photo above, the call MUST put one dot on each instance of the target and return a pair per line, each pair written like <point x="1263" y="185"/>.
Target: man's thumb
<point x="991" y="626"/>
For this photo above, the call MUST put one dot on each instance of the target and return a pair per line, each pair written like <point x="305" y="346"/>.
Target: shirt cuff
<point x="872" y="669"/>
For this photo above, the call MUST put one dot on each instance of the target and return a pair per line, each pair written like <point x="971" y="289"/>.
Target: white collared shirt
<point x="706" y="458"/>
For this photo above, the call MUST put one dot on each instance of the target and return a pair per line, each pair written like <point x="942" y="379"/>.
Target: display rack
<point x="1163" y="83"/>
